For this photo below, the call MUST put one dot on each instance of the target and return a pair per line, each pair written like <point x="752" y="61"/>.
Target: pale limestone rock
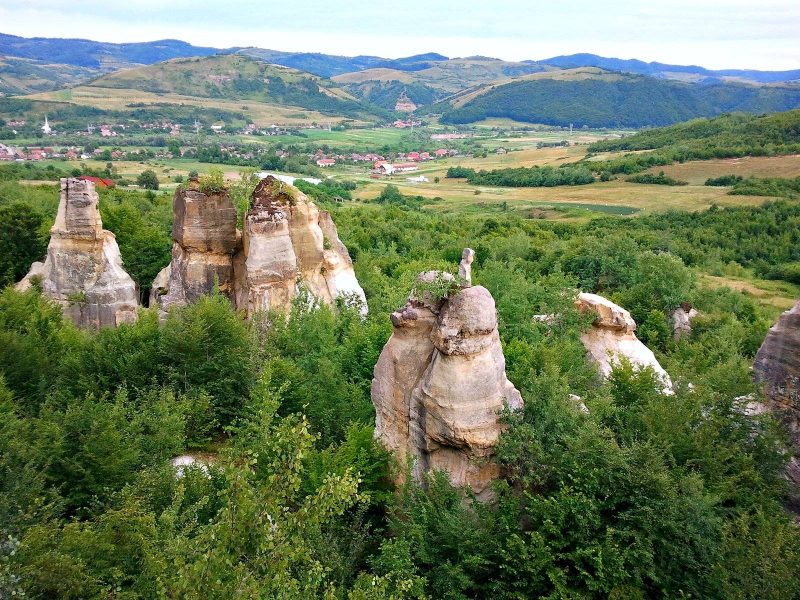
<point x="777" y="370"/>
<point x="682" y="321"/>
<point x="286" y="242"/>
<point x="440" y="384"/>
<point x="83" y="270"/>
<point x="612" y="338"/>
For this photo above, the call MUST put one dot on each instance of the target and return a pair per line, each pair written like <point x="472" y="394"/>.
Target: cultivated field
<point x="696" y="172"/>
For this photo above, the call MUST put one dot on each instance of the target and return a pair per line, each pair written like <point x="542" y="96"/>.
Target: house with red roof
<point x="98" y="181"/>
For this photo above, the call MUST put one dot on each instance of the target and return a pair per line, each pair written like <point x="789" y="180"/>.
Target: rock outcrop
<point x="204" y="242"/>
<point x="440" y="383"/>
<point x="83" y="269"/>
<point x="777" y="369"/>
<point x="682" y="321"/>
<point x="612" y="338"/>
<point x="286" y="242"/>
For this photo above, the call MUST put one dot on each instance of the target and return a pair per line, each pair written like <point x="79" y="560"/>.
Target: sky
<point x="716" y="34"/>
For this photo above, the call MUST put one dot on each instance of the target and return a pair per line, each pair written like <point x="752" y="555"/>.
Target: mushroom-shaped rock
<point x="83" y="269"/>
<point x="612" y="338"/>
<point x="439" y="386"/>
<point x="777" y="369"/>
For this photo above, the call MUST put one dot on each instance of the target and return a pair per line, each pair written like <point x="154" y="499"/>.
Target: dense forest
<point x="621" y="101"/>
<point x="644" y="496"/>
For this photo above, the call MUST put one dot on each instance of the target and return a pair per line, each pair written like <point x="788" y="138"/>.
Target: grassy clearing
<point x="774" y="296"/>
<point x="697" y="171"/>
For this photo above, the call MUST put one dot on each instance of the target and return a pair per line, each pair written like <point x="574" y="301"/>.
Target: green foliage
<point x="525" y="176"/>
<point x="726" y="136"/>
<point x="623" y="101"/>
<point x="147" y="179"/>
<point x="768" y="186"/>
<point x="212" y="182"/>
<point x="723" y="180"/>
<point x="20" y="242"/>
<point x="652" y="179"/>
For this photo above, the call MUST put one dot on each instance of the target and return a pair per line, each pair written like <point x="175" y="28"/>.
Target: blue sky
<point x="715" y="33"/>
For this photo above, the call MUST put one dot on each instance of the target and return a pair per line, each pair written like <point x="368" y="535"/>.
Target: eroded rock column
<point x="83" y="269"/>
<point x="440" y="384"/>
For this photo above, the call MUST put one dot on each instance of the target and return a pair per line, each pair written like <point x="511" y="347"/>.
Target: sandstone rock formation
<point x="286" y="239"/>
<point x="777" y="369"/>
<point x="286" y="242"/>
<point x="612" y="338"/>
<point x="682" y="321"/>
<point x="204" y="241"/>
<point x="440" y="383"/>
<point x="83" y="269"/>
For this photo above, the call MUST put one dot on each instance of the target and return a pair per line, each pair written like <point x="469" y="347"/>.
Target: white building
<point x="46" y="129"/>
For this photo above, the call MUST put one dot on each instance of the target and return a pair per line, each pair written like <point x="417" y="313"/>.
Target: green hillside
<point x="237" y="77"/>
<point x="610" y="100"/>
<point x="25" y="76"/>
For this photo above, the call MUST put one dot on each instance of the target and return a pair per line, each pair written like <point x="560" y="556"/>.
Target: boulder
<point x="439" y="386"/>
<point x="777" y="370"/>
<point x="612" y="338"/>
<point x="83" y="269"/>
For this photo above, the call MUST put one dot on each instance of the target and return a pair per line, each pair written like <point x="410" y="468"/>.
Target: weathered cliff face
<point x="204" y="241"/>
<point x="439" y="385"/>
<point x="286" y="242"/>
<point x="612" y="338"/>
<point x="83" y="269"/>
<point x="777" y="369"/>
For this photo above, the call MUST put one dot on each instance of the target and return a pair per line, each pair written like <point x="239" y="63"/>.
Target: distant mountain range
<point x="109" y="56"/>
<point x="582" y="89"/>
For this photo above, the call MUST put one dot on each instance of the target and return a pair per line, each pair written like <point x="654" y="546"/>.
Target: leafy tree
<point x="20" y="243"/>
<point x="147" y="179"/>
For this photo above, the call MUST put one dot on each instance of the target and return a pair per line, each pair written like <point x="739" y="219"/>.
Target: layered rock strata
<point x="440" y="384"/>
<point x="83" y="269"/>
<point x="287" y="240"/>
<point x="286" y="243"/>
<point x="612" y="339"/>
<point x="204" y="241"/>
<point x="777" y="370"/>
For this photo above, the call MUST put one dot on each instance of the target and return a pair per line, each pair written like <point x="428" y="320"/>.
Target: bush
<point x="147" y="179"/>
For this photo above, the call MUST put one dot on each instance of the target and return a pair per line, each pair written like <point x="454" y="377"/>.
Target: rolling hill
<point x="690" y="73"/>
<point x="25" y="76"/>
<point x="224" y="82"/>
<point x="597" y="98"/>
<point x="98" y="55"/>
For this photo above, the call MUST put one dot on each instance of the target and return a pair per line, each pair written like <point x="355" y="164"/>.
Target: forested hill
<point x="87" y="53"/>
<point x="623" y="101"/>
<point x="730" y="131"/>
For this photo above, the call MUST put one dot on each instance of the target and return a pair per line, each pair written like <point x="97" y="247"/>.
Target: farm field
<point x="696" y="172"/>
<point x="262" y="113"/>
